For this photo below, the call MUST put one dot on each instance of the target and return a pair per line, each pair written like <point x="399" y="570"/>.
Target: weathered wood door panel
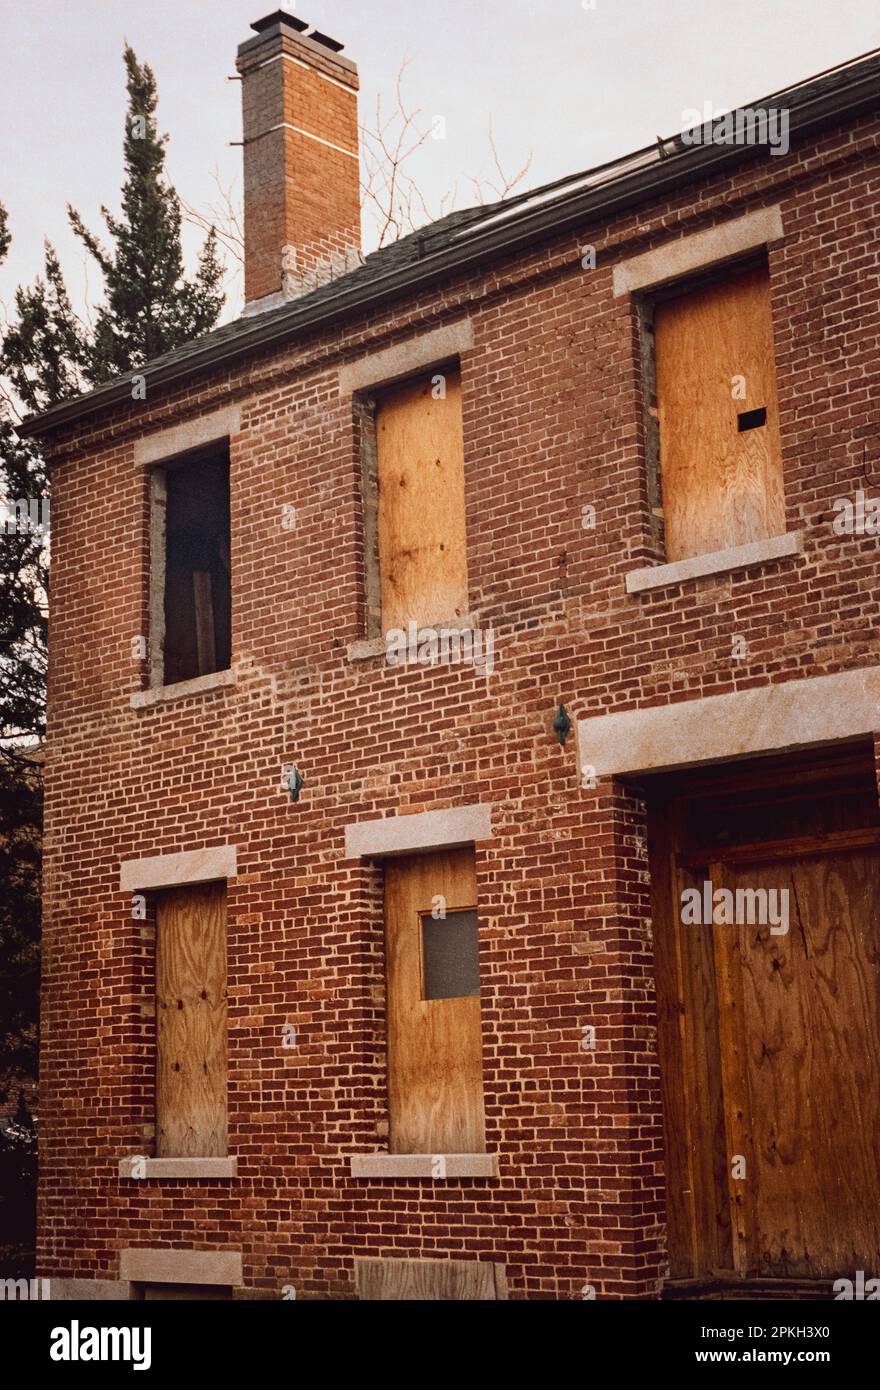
<point x="769" y="1041"/>
<point x="810" y="1067"/>
<point x="697" y="1200"/>
<point x="191" y="1022"/>
<point x="402" y="1280"/>
<point x="435" y="1067"/>
<point x="722" y="484"/>
<point x="422" y="533"/>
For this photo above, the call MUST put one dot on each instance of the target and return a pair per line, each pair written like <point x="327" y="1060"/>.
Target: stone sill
<point x="199" y="685"/>
<point x="368" y="647"/>
<point x="98" y="1290"/>
<point x="716" y="562"/>
<point x="385" y="1165"/>
<point x="178" y="1168"/>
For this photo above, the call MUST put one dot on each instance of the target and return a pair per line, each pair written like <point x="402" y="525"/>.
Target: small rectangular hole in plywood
<point x="450" y="956"/>
<point x="751" y="419"/>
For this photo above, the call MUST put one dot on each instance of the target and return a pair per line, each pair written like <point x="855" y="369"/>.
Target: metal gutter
<point x="857" y="88"/>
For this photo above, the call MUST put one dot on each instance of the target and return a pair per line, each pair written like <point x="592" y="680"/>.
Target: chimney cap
<point x="278" y="17"/>
<point x="282" y="17"/>
<point x="326" y="41"/>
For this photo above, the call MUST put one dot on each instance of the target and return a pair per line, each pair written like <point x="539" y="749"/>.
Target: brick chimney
<point x="301" y="167"/>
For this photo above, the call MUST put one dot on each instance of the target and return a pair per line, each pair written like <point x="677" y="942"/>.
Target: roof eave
<point x="521" y="229"/>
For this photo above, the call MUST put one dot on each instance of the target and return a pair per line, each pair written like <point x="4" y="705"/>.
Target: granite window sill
<point x="199" y="685"/>
<point x="436" y="1166"/>
<point x="369" y="647"/>
<point x="139" y="1168"/>
<point x="715" y="562"/>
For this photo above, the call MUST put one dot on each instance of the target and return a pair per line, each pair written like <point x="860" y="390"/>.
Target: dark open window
<point x="197" y="589"/>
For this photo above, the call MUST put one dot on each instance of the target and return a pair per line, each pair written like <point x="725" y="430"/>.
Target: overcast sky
<point x="574" y="82"/>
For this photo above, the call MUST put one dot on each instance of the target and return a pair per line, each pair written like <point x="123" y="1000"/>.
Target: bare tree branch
<point x="394" y="204"/>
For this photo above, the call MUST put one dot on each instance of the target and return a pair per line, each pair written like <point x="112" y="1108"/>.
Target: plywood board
<point x="770" y="1042"/>
<point x="384" y="1280"/>
<point x="435" y="1067"/>
<point x="811" y="1028"/>
<point x="422" y="534"/>
<point x="191" y="1022"/>
<point x="697" y="1209"/>
<point x="737" y="1152"/>
<point x="722" y="487"/>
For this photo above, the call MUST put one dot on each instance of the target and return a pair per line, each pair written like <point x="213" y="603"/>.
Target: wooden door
<point x="422" y="534"/>
<point x="435" y="1067"/>
<point x="769" y="1041"/>
<point x="401" y="1280"/>
<point x="697" y="1196"/>
<point x="721" y="466"/>
<point x="191" y="1022"/>
<point x="800" y="1030"/>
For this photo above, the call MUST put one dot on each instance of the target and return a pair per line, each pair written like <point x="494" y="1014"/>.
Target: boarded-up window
<point x="422" y="537"/>
<point x="435" y="1062"/>
<point x="720" y="458"/>
<point x="195" y="576"/>
<point x="191" y="1022"/>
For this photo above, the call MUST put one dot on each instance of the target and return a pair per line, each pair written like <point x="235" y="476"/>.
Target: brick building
<point x="365" y="975"/>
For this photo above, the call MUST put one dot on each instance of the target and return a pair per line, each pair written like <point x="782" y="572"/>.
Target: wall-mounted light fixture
<point x="562" y="725"/>
<point x="292" y="781"/>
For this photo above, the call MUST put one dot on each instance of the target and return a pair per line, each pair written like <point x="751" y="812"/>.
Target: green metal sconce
<point x="293" y="781"/>
<point x="562" y="725"/>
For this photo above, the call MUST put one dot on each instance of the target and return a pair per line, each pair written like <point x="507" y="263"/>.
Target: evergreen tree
<point x="48" y="355"/>
<point x="46" y="352"/>
<point x="18" y="1183"/>
<point x="150" y="305"/>
<point x="23" y="630"/>
<point x="23" y="596"/>
<point x="20" y="854"/>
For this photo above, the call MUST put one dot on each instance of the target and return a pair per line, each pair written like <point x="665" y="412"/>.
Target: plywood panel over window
<point x="720" y="458"/>
<point x="422" y="538"/>
<point x="191" y="1022"/>
<point x="435" y="1070"/>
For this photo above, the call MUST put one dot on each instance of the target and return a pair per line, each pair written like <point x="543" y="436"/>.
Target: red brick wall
<point x="298" y="191"/>
<point x="551" y="422"/>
